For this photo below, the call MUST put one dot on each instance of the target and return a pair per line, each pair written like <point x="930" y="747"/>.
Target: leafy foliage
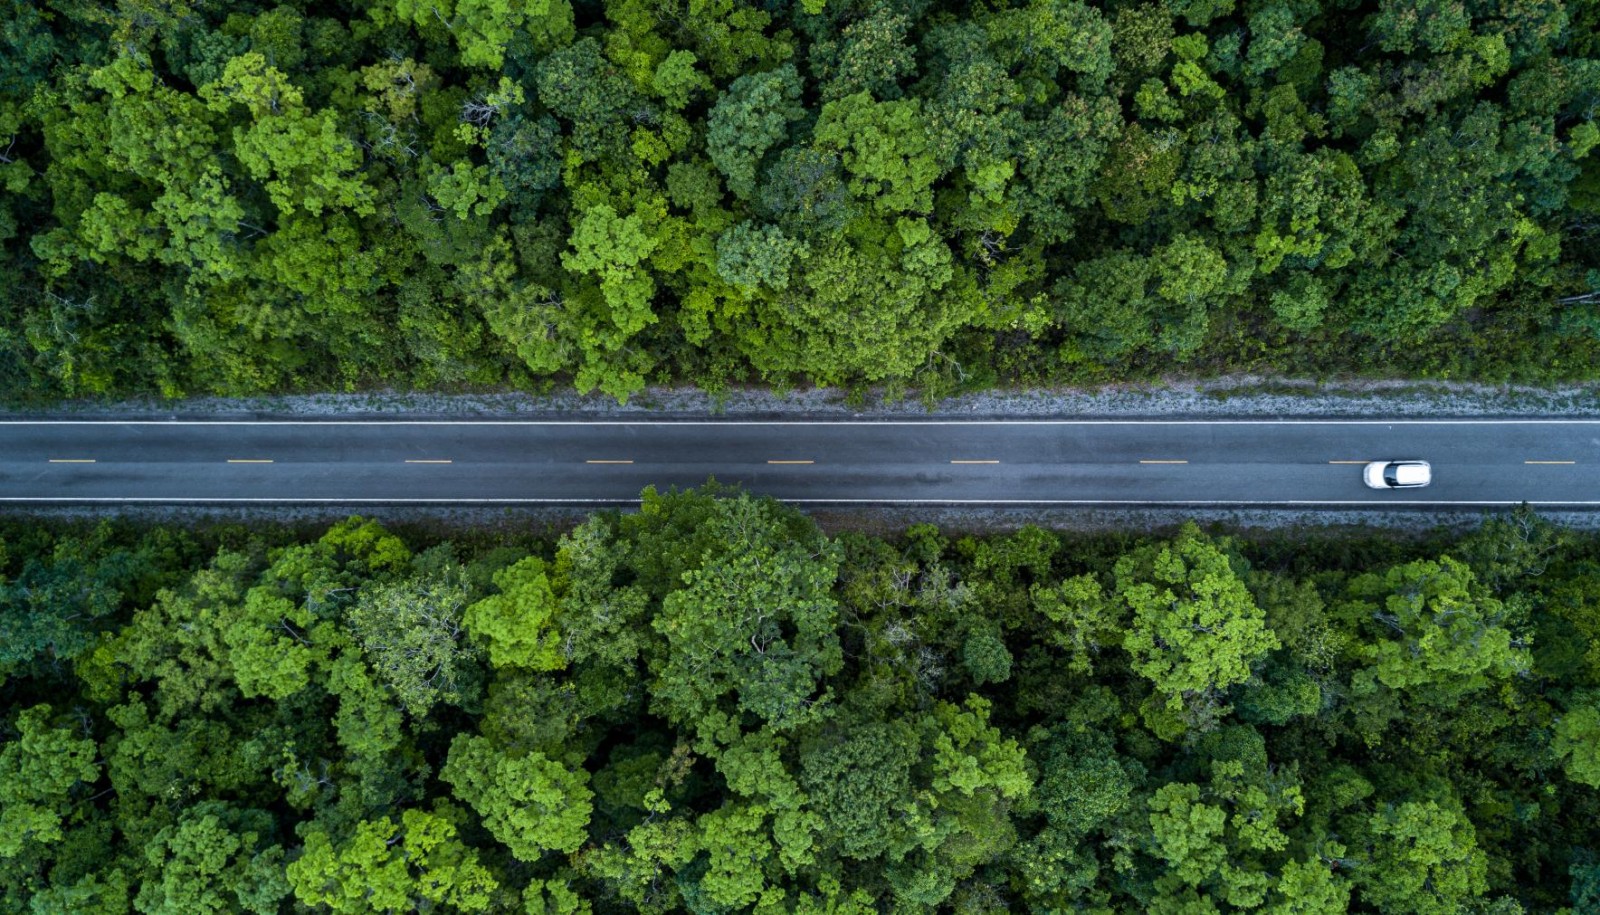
<point x="709" y="705"/>
<point x="1196" y="629"/>
<point x="215" y="198"/>
<point x="411" y="632"/>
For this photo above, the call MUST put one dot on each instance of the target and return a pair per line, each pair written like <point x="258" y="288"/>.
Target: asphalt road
<point x="1109" y="462"/>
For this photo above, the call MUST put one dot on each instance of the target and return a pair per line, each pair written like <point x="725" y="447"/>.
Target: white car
<point x="1397" y="474"/>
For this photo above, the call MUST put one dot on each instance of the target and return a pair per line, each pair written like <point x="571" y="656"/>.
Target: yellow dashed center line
<point x="72" y="460"/>
<point x="419" y="461"/>
<point x="791" y="462"/>
<point x="1549" y="462"/>
<point x="1349" y="462"/>
<point x="1163" y="462"/>
<point x="249" y="461"/>
<point x="974" y="462"/>
<point x="608" y="462"/>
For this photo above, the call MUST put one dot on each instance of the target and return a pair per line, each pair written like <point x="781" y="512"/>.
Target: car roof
<point x="1405" y="473"/>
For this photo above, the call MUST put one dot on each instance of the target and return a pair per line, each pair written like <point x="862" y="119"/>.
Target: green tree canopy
<point x="528" y="802"/>
<point x="1196" y="629"/>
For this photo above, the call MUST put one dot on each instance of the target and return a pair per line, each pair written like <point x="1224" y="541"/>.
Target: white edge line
<point x="574" y="501"/>
<point x="797" y="422"/>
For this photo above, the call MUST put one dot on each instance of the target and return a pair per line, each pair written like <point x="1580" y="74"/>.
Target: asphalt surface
<point x="1108" y="462"/>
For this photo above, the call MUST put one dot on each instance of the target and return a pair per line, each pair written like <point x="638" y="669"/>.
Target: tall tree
<point x="1196" y="629"/>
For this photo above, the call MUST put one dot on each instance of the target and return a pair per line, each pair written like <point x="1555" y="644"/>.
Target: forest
<point x="710" y="706"/>
<point x="220" y="197"/>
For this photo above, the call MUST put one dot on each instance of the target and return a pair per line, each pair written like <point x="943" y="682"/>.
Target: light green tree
<point x="613" y="248"/>
<point x="517" y="625"/>
<point x="1309" y="888"/>
<point x="466" y="190"/>
<point x="753" y="256"/>
<point x="411" y="633"/>
<point x="730" y="37"/>
<point x="270" y="645"/>
<point x="1083" y="621"/>
<point x="177" y="643"/>
<point x="871" y="306"/>
<point x="483" y="28"/>
<point x="1577" y="741"/>
<point x="885" y="149"/>
<point x="1187" y="833"/>
<point x="1440" y="632"/>
<point x="1226" y="842"/>
<point x="303" y="159"/>
<point x="40" y="772"/>
<point x="737" y="841"/>
<point x="136" y="175"/>
<point x="528" y="802"/>
<point x="1196" y="630"/>
<point x="1423" y="858"/>
<point x="676" y="79"/>
<point x="389" y="867"/>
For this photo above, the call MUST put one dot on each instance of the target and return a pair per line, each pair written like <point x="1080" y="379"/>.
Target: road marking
<point x="1218" y="503"/>
<point x="1349" y="462"/>
<point x="1163" y="462"/>
<point x="791" y="462"/>
<point x="248" y="461"/>
<point x="808" y="422"/>
<point x="974" y="462"/>
<point x="1549" y="462"/>
<point x="608" y="462"/>
<point x="72" y="460"/>
<point x="420" y="461"/>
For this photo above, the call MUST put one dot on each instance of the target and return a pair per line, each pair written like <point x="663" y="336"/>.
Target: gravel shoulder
<point x="887" y="521"/>
<point x="1242" y="395"/>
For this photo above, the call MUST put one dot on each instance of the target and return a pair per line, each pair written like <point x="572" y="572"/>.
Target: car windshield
<point x="1391" y="475"/>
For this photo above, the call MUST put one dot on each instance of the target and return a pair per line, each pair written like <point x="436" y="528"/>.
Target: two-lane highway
<point x="1476" y="462"/>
